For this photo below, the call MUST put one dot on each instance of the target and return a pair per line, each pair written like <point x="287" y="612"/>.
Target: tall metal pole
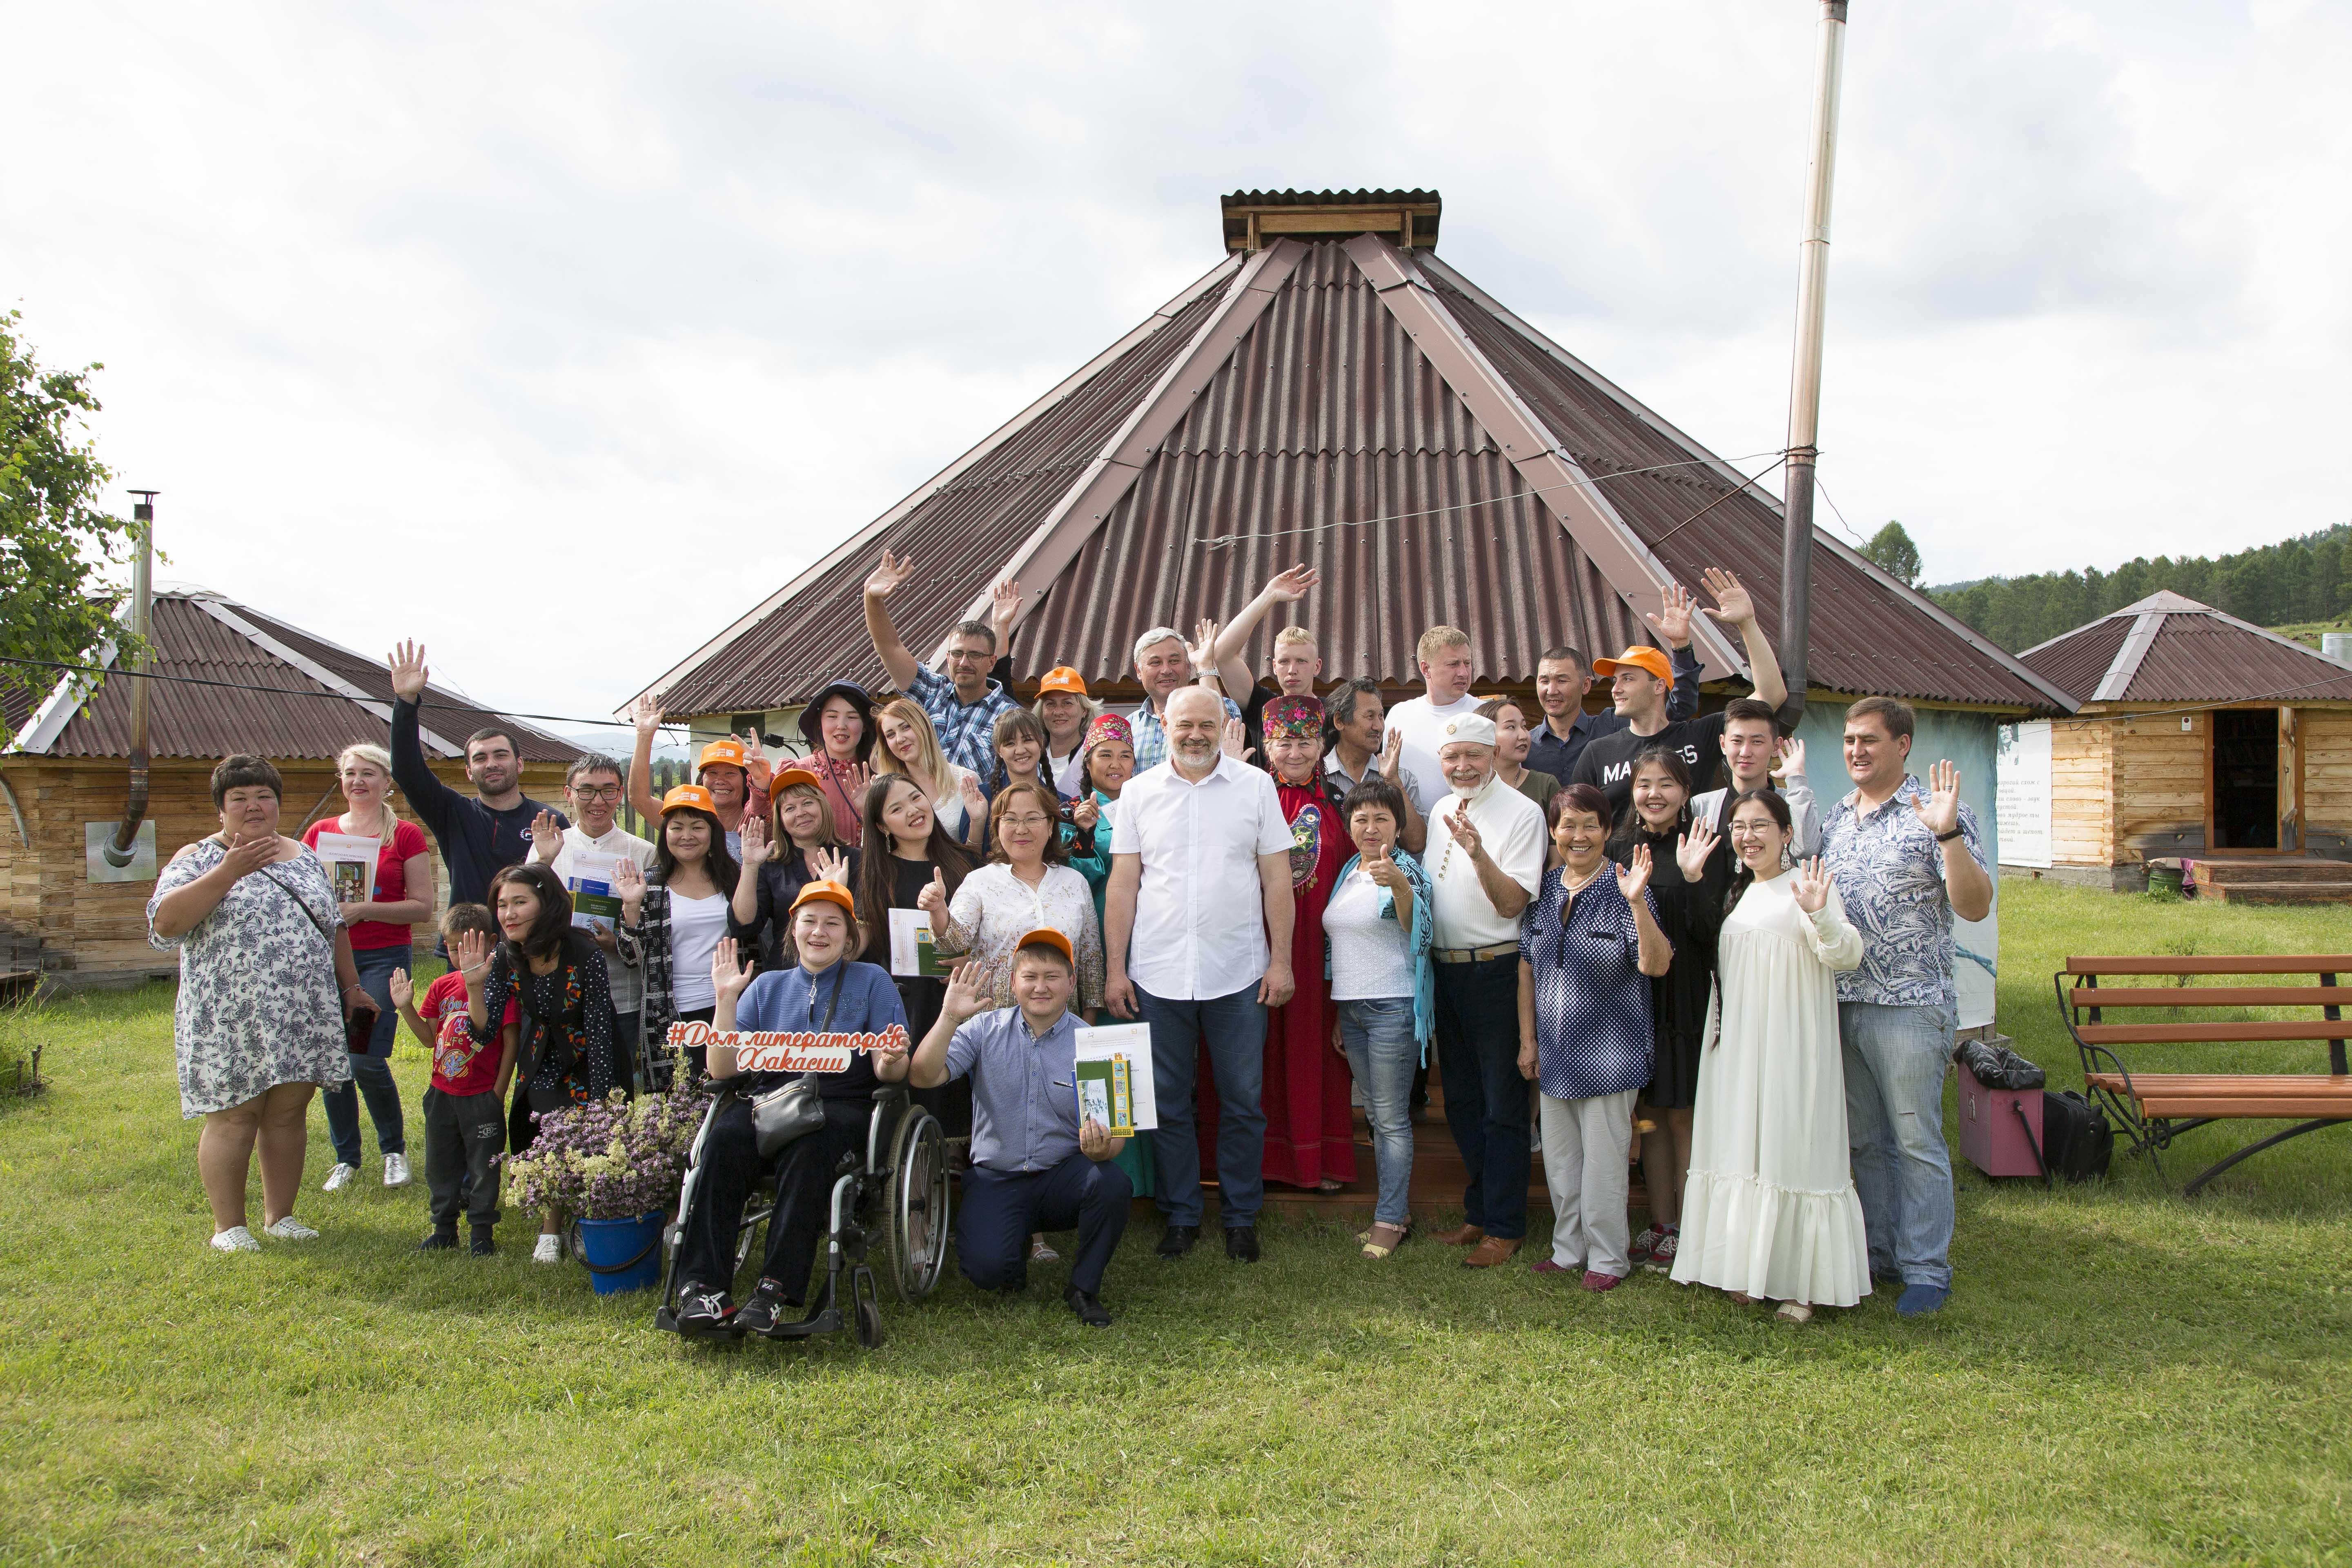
<point x="121" y="850"/>
<point x="1805" y="380"/>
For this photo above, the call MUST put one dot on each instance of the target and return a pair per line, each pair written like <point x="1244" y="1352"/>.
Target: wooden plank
<point x="2215" y="963"/>
<point x="2285" y="1109"/>
<point x="2230" y="1033"/>
<point x="2213" y="996"/>
<point x="2220" y="1083"/>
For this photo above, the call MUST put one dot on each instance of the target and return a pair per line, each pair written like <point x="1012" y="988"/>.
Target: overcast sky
<point x="560" y="335"/>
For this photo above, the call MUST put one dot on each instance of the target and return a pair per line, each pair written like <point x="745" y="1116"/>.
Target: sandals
<point x="1381" y="1240"/>
<point x="1794" y="1313"/>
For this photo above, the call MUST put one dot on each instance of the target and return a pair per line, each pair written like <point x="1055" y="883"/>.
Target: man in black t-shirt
<point x="479" y="834"/>
<point x="1639" y="682"/>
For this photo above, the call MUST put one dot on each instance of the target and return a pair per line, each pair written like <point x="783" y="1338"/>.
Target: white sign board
<point x="2021" y="797"/>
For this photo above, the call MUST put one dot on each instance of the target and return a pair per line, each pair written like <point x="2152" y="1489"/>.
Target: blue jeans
<point x="1235" y="1029"/>
<point x="1377" y="1035"/>
<point x="1485" y="1098"/>
<point x="1895" y="1058"/>
<point x="371" y="1074"/>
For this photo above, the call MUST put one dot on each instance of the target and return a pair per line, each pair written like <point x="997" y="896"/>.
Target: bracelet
<point x="1947" y="837"/>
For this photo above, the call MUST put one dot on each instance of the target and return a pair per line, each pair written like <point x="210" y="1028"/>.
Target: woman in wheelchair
<point x="828" y="992"/>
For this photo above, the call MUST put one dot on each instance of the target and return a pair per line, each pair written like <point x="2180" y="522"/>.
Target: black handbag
<point x="2076" y="1142"/>
<point x="782" y="1117"/>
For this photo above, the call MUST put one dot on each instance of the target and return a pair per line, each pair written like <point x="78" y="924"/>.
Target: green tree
<point x="1891" y="550"/>
<point x="56" y="542"/>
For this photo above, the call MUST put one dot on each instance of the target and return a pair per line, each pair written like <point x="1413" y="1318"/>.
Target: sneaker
<point x="1544" y="1265"/>
<point x="396" y="1170"/>
<point x="1662" y="1257"/>
<point x="1596" y="1281"/>
<point x="440" y="1241"/>
<point x="549" y="1250"/>
<point x="338" y="1178"/>
<point x="1918" y="1300"/>
<point x="1644" y="1242"/>
<point x="702" y="1312"/>
<point x="482" y="1246"/>
<point x="236" y="1238"/>
<point x="764" y="1310"/>
<point x="289" y="1228"/>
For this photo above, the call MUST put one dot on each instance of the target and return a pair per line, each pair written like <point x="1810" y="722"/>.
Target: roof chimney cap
<point x="1407" y="218"/>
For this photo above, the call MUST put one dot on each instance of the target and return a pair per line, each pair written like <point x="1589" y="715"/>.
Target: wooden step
<point x="2278" y="893"/>
<point x="2272" y="868"/>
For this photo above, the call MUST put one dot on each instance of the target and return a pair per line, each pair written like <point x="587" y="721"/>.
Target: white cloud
<point x="580" y="330"/>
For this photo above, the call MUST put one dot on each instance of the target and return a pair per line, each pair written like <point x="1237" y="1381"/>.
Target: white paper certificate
<point x="1132" y="1043"/>
<point x="350" y="861"/>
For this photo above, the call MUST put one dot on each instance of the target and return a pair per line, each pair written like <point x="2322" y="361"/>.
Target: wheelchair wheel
<point x="869" y="1325"/>
<point x="915" y="1207"/>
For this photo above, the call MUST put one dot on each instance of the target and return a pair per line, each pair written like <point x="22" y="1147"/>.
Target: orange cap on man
<point x="1649" y="660"/>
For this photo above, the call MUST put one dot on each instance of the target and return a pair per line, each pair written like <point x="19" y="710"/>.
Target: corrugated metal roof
<point x="1327" y="436"/>
<point x="959" y="537"/>
<point x="1327" y="413"/>
<point x="275" y="710"/>
<point x="2197" y="655"/>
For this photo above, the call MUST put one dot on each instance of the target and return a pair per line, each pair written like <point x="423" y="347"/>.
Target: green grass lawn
<point x="2122" y="1377"/>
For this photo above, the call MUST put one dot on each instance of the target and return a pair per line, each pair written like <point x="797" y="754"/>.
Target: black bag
<point x="1997" y="1067"/>
<point x="782" y="1117"/>
<point x="2076" y="1142"/>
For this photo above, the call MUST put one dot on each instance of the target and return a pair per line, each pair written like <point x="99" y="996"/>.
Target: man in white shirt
<point x="1447" y="666"/>
<point x="1486" y="861"/>
<point x="1195" y="844"/>
<point x="591" y="795"/>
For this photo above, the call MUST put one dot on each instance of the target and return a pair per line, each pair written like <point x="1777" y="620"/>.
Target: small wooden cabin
<point x="228" y="679"/>
<point x="2201" y="738"/>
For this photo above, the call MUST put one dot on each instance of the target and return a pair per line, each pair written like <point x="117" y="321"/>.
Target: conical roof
<point x="2169" y="649"/>
<point x="1366" y="409"/>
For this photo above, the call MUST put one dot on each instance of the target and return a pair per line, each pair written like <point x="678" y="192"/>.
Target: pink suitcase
<point x="1993" y="1134"/>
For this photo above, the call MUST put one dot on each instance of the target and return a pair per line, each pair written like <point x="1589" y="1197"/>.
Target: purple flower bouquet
<point x="616" y="1159"/>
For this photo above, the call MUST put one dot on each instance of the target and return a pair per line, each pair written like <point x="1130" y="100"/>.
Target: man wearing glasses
<point x="592" y="794"/>
<point x="963" y="704"/>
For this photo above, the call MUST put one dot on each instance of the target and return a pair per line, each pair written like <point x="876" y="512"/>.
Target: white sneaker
<point x="289" y="1228"/>
<point x="236" y="1238"/>
<point x="549" y="1250"/>
<point x="338" y="1178"/>
<point x="396" y="1170"/>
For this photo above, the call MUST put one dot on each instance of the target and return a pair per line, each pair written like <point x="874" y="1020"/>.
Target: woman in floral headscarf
<point x="1310" y="1137"/>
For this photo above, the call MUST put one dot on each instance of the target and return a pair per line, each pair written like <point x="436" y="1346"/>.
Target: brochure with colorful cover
<point x="914" y="949"/>
<point x="350" y="861"/>
<point x="594" y="905"/>
<point x="1113" y="1071"/>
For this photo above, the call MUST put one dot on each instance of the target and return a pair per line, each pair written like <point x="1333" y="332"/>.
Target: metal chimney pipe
<point x="120" y="850"/>
<point x="1805" y="380"/>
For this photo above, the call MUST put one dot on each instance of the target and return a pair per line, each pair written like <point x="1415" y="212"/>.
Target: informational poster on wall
<point x="2022" y="799"/>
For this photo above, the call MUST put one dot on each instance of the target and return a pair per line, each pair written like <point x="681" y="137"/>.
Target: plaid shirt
<point x="967" y="729"/>
<point x="1890" y="872"/>
<point x="1151" y="735"/>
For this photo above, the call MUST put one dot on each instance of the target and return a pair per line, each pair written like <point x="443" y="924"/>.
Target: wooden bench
<point x="2153" y="1109"/>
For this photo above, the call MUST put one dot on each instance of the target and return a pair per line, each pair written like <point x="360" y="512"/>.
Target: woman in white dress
<point x="1769" y="1212"/>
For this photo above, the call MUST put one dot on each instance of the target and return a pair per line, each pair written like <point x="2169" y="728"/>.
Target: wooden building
<point x="229" y="679"/>
<point x="2204" y="739"/>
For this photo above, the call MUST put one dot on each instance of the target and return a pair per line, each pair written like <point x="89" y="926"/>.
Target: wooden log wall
<point x="2327" y="744"/>
<point x="2160" y="772"/>
<point x="2081" y="793"/>
<point x="81" y="931"/>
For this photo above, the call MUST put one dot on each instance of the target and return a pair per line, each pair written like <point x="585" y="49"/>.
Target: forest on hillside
<point x="2295" y="582"/>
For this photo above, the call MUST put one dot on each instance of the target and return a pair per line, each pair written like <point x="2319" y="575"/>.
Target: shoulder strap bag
<point x="358" y="1023"/>
<point x="783" y="1116"/>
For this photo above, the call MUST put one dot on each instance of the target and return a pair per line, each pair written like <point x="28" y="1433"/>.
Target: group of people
<point x="1631" y="933"/>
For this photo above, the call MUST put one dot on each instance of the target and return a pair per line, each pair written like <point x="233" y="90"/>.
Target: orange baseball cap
<point x="1651" y="660"/>
<point x="727" y="752"/>
<point x="1051" y="938"/>
<point x="824" y="892"/>
<point x="1062" y="677"/>
<point x="692" y="795"/>
<point x="797" y="774"/>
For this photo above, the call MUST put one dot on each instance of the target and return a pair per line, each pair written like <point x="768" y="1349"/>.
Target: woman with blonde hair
<point x="399" y="895"/>
<point x="911" y="746"/>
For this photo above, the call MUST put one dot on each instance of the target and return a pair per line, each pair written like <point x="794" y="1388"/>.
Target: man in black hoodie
<point x="476" y="834"/>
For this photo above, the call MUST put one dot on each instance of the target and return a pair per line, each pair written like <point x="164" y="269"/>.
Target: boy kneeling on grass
<point x="464" y="1109"/>
<point x="1033" y="1166"/>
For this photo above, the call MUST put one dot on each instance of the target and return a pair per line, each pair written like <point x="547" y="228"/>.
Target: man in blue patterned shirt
<point x="1164" y="664"/>
<point x="964" y="703"/>
<point x="1908" y="859"/>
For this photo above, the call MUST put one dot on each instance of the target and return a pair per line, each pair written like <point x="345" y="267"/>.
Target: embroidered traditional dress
<point x="1311" y="1135"/>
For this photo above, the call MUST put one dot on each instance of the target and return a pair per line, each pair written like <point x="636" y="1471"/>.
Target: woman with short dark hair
<point x="257" y="1027"/>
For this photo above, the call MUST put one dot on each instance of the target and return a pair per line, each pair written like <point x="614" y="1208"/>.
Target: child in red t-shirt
<point x="465" y="1119"/>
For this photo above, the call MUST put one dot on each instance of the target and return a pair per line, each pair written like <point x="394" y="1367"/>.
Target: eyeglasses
<point x="596" y="792"/>
<point x="968" y="656"/>
<point x="1031" y="820"/>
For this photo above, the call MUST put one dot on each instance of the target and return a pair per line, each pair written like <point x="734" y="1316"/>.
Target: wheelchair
<point x="895" y="1197"/>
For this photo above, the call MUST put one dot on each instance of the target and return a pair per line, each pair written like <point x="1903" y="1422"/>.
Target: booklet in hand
<point x="350" y="861"/>
<point x="914" y="949"/>
<point x="594" y="905"/>
<point x="1113" y="1070"/>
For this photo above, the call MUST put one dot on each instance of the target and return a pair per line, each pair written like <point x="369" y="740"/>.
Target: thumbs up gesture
<point x="1380" y="866"/>
<point x="933" y="898"/>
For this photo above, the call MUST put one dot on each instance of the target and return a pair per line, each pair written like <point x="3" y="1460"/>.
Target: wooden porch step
<point x="2278" y="893"/>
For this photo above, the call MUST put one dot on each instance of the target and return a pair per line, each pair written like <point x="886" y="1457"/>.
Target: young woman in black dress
<point x="909" y="861"/>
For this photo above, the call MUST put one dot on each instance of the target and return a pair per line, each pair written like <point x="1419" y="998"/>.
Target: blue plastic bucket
<point x="623" y="1254"/>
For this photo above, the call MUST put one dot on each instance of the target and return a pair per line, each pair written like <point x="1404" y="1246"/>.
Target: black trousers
<point x="1001" y="1208"/>
<point x="464" y="1136"/>
<point x="804" y="1192"/>
<point x="1485" y="1098"/>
